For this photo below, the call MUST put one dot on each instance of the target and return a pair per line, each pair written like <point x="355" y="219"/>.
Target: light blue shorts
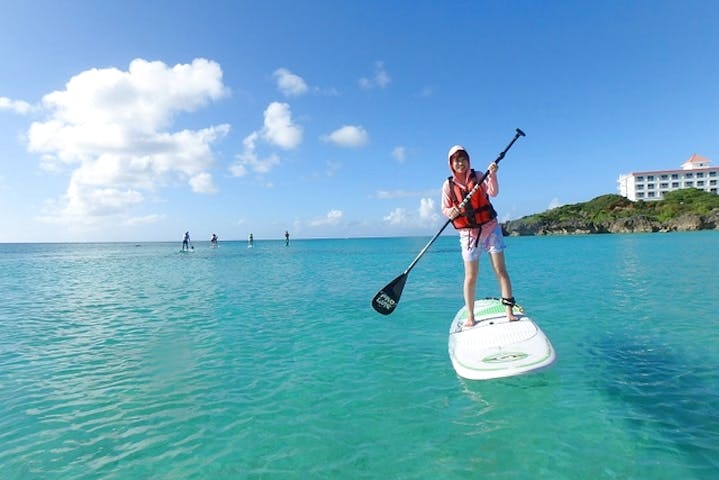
<point x="490" y="241"/>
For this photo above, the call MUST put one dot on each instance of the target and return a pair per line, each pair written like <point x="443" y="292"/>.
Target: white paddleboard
<point x="496" y="347"/>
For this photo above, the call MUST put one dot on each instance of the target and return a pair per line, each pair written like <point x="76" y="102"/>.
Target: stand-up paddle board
<point x="496" y="347"/>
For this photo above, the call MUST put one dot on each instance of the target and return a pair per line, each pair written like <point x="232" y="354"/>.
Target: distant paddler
<point x="186" y="241"/>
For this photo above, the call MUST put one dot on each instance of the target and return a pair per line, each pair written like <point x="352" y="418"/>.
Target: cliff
<point x="681" y="210"/>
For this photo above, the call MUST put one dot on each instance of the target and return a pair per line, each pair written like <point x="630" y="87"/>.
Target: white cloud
<point x="380" y="79"/>
<point x="113" y="128"/>
<point x="425" y="215"/>
<point x="427" y="211"/>
<point x="290" y="85"/>
<point x="202" y="183"/>
<point x="399" y="154"/>
<point x="243" y="165"/>
<point x="17" y="106"/>
<point x="390" y="194"/>
<point x="146" y="220"/>
<point x="347" y="136"/>
<point x="279" y="129"/>
<point x="250" y="162"/>
<point x="554" y="203"/>
<point x="85" y="202"/>
<point x="332" y="168"/>
<point x="333" y="217"/>
<point x="327" y="92"/>
<point x="398" y="216"/>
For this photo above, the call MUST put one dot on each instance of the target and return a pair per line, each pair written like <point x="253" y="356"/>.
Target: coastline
<point x="640" y="224"/>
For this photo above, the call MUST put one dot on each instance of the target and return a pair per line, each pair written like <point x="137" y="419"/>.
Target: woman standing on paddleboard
<point x="477" y="225"/>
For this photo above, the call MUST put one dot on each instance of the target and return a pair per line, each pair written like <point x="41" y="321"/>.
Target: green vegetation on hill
<point x="679" y="210"/>
<point x="606" y="208"/>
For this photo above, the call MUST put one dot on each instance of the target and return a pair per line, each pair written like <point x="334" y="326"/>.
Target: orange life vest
<point x="477" y="211"/>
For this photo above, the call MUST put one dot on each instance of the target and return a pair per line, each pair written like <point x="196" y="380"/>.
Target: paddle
<point x="387" y="299"/>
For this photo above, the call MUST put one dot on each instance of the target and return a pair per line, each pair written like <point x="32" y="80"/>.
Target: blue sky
<point x="138" y="120"/>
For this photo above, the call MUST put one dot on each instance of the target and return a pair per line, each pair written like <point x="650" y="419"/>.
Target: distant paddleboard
<point x="496" y="347"/>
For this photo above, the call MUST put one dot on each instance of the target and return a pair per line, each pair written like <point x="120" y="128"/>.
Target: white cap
<point x="454" y="150"/>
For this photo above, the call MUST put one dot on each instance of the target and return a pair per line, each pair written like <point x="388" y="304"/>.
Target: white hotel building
<point x="695" y="173"/>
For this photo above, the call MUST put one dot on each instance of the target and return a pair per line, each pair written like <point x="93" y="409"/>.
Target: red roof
<point x="697" y="159"/>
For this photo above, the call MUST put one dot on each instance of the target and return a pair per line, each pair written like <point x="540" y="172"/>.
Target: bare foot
<point x="511" y="316"/>
<point x="470" y="323"/>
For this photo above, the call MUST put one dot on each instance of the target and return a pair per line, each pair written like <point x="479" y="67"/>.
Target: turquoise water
<point x="123" y="362"/>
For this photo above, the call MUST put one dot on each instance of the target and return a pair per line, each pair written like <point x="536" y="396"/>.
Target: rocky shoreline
<point x="609" y="214"/>
<point x="638" y="224"/>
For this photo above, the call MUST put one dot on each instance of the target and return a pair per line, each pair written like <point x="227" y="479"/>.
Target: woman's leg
<point x="505" y="285"/>
<point x="471" y="272"/>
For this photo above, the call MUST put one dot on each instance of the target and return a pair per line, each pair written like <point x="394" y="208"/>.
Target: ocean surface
<point x="135" y="361"/>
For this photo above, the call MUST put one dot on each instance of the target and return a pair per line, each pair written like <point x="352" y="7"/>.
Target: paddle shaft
<point x="465" y="201"/>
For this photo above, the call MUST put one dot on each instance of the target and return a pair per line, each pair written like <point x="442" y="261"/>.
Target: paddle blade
<point x="386" y="299"/>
